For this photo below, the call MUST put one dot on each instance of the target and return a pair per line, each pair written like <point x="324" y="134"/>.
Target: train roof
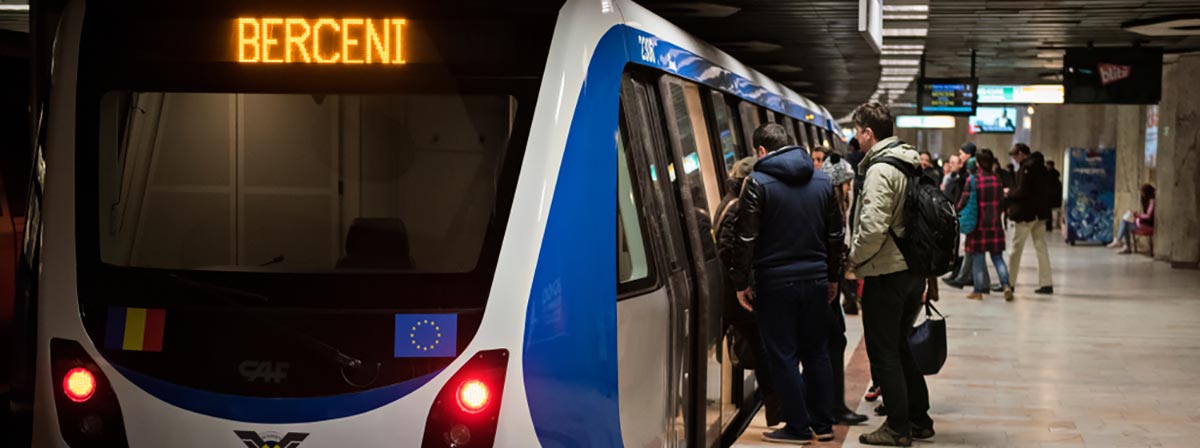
<point x="640" y="18"/>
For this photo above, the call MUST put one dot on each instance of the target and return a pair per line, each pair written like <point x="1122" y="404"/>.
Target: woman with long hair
<point x="988" y="236"/>
<point x="1133" y="222"/>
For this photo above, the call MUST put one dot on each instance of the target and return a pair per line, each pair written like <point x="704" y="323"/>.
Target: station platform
<point x="1112" y="359"/>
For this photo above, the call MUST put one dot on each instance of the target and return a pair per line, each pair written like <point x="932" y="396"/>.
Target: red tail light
<point x="467" y="408"/>
<point x="79" y="384"/>
<point x="473" y="396"/>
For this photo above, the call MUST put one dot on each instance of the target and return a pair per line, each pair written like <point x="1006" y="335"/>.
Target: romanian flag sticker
<point x="135" y="329"/>
<point x="426" y="335"/>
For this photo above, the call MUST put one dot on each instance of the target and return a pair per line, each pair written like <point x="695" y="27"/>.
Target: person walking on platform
<point x="966" y="153"/>
<point x="891" y="297"/>
<point x="988" y="236"/>
<point x="788" y="236"/>
<point x="1055" y="194"/>
<point x="1029" y="206"/>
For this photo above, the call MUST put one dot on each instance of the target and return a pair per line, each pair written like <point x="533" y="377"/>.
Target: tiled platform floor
<point x="1111" y="359"/>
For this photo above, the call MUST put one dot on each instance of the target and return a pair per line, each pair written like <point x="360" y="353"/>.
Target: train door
<point x="654" y="340"/>
<point x="699" y="194"/>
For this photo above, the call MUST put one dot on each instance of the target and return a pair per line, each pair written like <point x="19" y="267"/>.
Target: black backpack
<point x="930" y="242"/>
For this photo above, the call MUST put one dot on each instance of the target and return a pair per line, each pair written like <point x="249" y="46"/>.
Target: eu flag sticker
<point x="426" y="335"/>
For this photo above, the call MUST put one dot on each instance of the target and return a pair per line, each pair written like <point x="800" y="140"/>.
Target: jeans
<point x="794" y="321"/>
<point x="890" y="304"/>
<point x="1038" y="230"/>
<point x="1125" y="232"/>
<point x="979" y="267"/>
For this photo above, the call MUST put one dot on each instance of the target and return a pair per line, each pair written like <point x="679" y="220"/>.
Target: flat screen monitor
<point x="999" y="120"/>
<point x="946" y="96"/>
<point x="1113" y="75"/>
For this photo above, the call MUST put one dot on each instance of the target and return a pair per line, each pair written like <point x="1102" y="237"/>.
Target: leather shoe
<point x="1044" y="290"/>
<point x="952" y="283"/>
<point x="848" y="417"/>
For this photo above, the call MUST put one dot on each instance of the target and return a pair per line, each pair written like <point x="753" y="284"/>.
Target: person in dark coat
<point x="736" y="318"/>
<point x="1029" y="207"/>
<point x="966" y="153"/>
<point x="789" y="238"/>
<point x="988" y="236"/>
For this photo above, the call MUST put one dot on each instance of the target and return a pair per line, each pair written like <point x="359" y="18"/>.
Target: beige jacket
<point x="873" y="252"/>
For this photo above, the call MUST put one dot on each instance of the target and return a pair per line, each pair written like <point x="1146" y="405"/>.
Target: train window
<point x="300" y="182"/>
<point x="633" y="261"/>
<point x="750" y="121"/>
<point x="726" y="130"/>
<point x="789" y="125"/>
<point x="801" y="134"/>
<point x="768" y="116"/>
<point x="686" y="113"/>
<point x="813" y="134"/>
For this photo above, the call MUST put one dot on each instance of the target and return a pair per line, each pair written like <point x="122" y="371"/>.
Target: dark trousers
<point x="964" y="274"/>
<point x="837" y="356"/>
<point x="890" y="305"/>
<point x="794" y="322"/>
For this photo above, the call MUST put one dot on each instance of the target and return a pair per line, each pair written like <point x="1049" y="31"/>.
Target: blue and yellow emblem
<point x="426" y="335"/>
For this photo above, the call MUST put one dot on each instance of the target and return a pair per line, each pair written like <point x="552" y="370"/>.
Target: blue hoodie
<point x="793" y="229"/>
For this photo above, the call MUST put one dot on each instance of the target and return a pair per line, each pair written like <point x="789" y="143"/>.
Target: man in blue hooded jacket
<point x="788" y="237"/>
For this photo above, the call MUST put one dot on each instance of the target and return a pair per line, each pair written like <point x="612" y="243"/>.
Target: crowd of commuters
<point x="800" y="228"/>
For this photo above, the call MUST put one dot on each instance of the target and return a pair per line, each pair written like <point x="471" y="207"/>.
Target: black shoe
<point x="1044" y="290"/>
<point x="885" y="436"/>
<point x="848" y="418"/>
<point x="952" y="283"/>
<point x="826" y="436"/>
<point x="922" y="433"/>
<point x="997" y="288"/>
<point x="786" y="435"/>
<point x="880" y="410"/>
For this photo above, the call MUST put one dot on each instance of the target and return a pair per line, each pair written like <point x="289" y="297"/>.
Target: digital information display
<point x="1029" y="94"/>
<point x="946" y="96"/>
<point x="993" y="120"/>
<point x="326" y="40"/>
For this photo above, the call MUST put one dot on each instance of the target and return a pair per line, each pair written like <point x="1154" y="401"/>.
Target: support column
<point x="1131" y="156"/>
<point x="1176" y="221"/>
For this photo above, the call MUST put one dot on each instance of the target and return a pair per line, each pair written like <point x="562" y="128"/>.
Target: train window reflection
<point x="299" y="182"/>
<point x="632" y="262"/>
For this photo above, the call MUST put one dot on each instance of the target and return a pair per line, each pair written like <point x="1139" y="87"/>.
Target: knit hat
<point x="969" y="148"/>
<point x="742" y="168"/>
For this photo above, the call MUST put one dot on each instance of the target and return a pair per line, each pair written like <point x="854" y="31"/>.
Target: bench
<point x="1147" y="232"/>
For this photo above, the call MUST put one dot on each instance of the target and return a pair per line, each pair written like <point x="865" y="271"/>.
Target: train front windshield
<point x="266" y="199"/>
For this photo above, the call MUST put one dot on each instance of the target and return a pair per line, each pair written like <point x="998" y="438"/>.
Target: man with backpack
<point x="891" y="296"/>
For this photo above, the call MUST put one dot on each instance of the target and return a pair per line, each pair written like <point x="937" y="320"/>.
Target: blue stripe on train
<point x="570" y="353"/>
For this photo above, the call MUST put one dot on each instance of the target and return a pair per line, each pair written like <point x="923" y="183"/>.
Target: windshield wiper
<point x="227" y="294"/>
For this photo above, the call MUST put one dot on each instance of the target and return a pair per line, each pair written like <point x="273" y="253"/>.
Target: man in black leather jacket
<point x="788" y="236"/>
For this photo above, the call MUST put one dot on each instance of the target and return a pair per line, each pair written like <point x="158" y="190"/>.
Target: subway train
<point x="407" y="223"/>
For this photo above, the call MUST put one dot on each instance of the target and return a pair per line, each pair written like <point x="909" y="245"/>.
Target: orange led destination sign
<point x="291" y="40"/>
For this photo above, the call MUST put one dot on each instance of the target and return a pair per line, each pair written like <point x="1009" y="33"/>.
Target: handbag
<point x="968" y="218"/>
<point x="928" y="342"/>
<point x="741" y="337"/>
